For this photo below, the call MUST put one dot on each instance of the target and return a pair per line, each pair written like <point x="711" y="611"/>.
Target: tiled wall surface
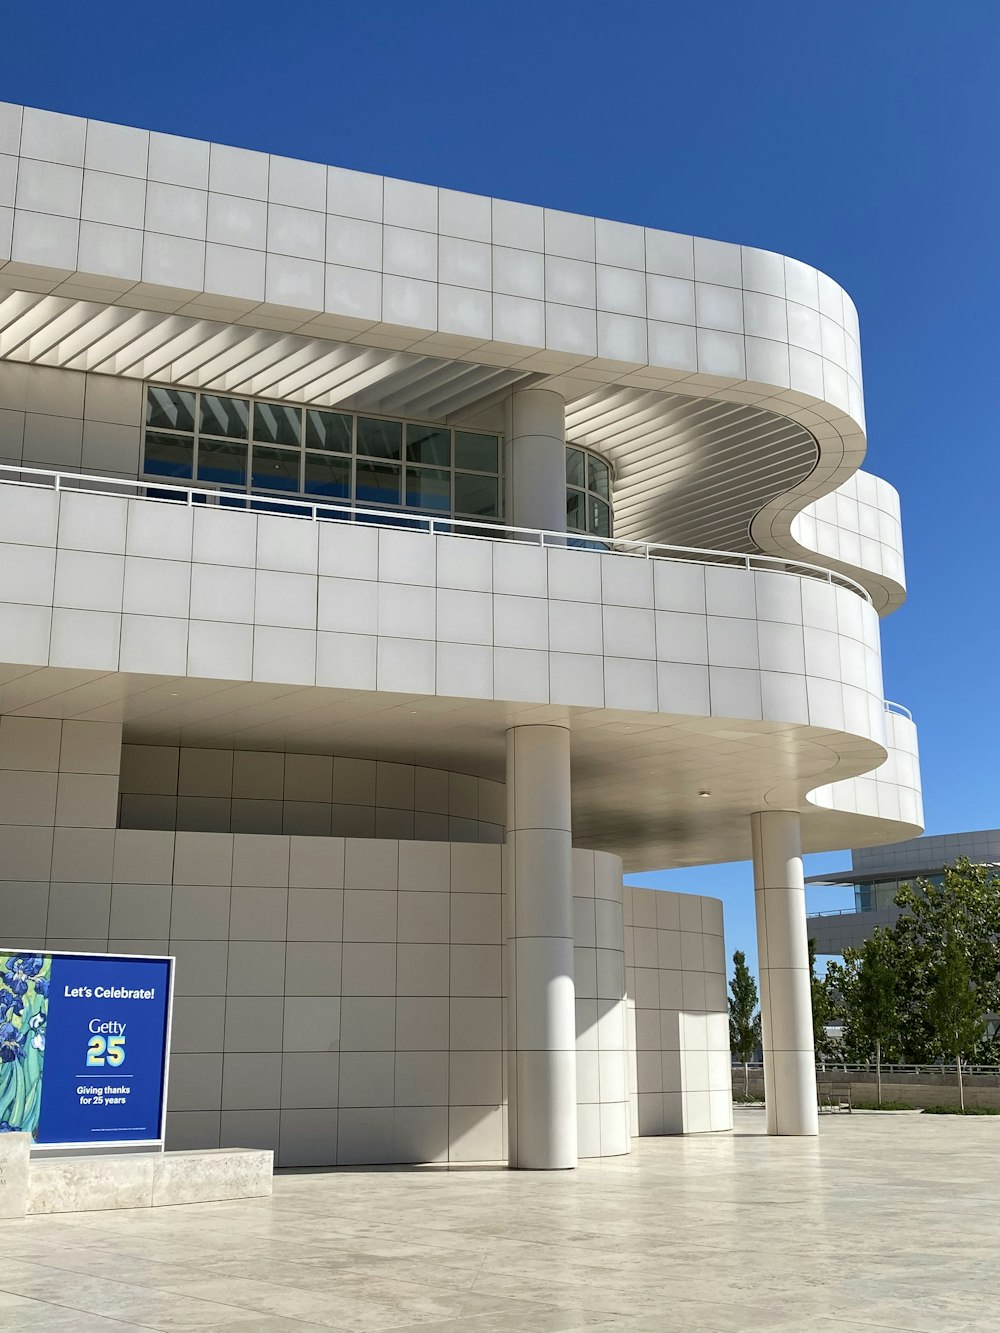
<point x="90" y="207"/>
<point x="892" y="791"/>
<point x="834" y="934"/>
<point x="58" y="803"/>
<point x="339" y="999"/>
<point x="599" y="977"/>
<point x="253" y="791"/>
<point x="105" y="583"/>
<point x="69" y="421"/>
<point x="980" y="845"/>
<point x="675" y="968"/>
<point x="858" y="524"/>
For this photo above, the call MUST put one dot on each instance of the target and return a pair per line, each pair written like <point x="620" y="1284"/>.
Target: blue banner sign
<point x="83" y="1047"/>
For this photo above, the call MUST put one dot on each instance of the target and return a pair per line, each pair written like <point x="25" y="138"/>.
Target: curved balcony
<point x="855" y="529"/>
<point x="697" y="684"/>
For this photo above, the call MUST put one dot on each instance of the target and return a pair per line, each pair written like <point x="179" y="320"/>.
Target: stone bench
<point x="47" y="1184"/>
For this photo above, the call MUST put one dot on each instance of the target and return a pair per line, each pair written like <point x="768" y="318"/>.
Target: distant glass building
<point x="878" y="873"/>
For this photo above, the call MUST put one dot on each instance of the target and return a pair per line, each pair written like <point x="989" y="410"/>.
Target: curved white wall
<point x="211" y="226"/>
<point x="892" y="792"/>
<point x="103" y="583"/>
<point x="678" y="1013"/>
<point x="857" y="529"/>
<point x="268" y="791"/>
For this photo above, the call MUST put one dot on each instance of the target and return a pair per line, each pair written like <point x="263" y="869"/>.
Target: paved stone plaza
<point x="883" y="1222"/>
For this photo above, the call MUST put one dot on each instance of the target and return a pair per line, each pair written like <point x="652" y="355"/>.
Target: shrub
<point x="962" y="1110"/>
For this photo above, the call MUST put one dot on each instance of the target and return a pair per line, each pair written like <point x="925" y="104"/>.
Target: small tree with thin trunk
<point x="823" y="1008"/>
<point x="869" y="986"/>
<point x="744" y="1016"/>
<point x="954" y="1009"/>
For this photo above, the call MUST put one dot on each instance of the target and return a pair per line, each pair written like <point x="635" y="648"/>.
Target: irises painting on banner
<point x="24" y="991"/>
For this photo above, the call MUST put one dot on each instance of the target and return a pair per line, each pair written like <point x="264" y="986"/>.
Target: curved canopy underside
<point x="697" y="459"/>
<point x="638" y="778"/>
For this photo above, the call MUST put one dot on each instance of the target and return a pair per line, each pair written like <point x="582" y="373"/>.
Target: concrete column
<point x="785" y="990"/>
<point x="538" y="902"/>
<point x="535" y="460"/>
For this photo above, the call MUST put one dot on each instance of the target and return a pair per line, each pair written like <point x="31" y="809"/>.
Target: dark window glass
<point x="274" y="423"/>
<point x="224" y="416"/>
<point x="222" y="463"/>
<point x="599" y="477"/>
<point x="428" y="488"/>
<point x="169" y="455"/>
<point x="475" y="495"/>
<point x="377" y="483"/>
<point x="576" y="474"/>
<point x="428" y="444"/>
<point x="476" y="452"/>
<point x="328" y="430"/>
<point x="599" y="517"/>
<point x="169" y="409"/>
<point x="328" y="476"/>
<point x="576" y="513"/>
<point x="275" y="469"/>
<point x="380" y="439"/>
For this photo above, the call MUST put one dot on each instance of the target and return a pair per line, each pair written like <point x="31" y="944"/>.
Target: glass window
<point x="576" y="511"/>
<point x="328" y="476"/>
<point x="275" y="469"/>
<point x="275" y="448"/>
<point x="599" y="480"/>
<point x="223" y="463"/>
<point x="275" y="423"/>
<point x="169" y="409"/>
<point x="478" y="453"/>
<point x="599" y="517"/>
<point x="428" y="444"/>
<point x="576" y="474"/>
<point x="476" y="495"/>
<point x="377" y="483"/>
<point x="329" y="430"/>
<point x="224" y="416"/>
<point x="169" y="455"/>
<point x="380" y="439"/>
<point x="428" y="488"/>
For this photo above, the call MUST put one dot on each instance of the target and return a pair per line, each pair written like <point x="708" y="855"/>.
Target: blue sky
<point x="858" y="137"/>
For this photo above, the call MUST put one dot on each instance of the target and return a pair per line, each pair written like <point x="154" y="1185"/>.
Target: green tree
<point x="744" y="1016"/>
<point x="824" y="1008"/>
<point x="869" y="987"/>
<point x="963" y="910"/>
<point x="954" y="1008"/>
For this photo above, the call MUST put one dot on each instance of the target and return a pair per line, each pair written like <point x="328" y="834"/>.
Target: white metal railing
<point x="331" y="511"/>
<point x="892" y="707"/>
<point x="838" y="911"/>
<point x="846" y="1067"/>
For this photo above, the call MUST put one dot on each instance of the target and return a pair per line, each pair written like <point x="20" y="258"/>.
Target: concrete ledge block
<point x="212" y="1175"/>
<point x="14" y="1151"/>
<point x="141" y="1180"/>
<point x="90" y="1184"/>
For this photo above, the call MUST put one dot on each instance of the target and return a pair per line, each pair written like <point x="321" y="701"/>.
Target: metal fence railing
<point x="334" y="511"/>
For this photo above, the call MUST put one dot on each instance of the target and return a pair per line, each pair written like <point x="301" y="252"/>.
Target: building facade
<point x="385" y="571"/>
<point x="877" y="875"/>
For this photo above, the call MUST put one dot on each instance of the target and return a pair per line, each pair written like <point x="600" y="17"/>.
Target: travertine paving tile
<point x="880" y="1224"/>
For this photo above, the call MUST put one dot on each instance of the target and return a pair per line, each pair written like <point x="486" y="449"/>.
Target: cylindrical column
<point x="535" y="460"/>
<point x="541" y="1005"/>
<point x="785" y="983"/>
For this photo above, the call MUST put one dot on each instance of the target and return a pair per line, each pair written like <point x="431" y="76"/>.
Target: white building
<point x="304" y="681"/>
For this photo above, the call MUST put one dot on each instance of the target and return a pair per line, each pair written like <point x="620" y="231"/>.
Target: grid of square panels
<point x="246" y="445"/>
